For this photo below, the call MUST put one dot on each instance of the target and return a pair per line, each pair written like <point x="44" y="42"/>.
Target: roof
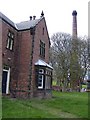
<point x="27" y="24"/>
<point x="22" y="25"/>
<point x="42" y="63"/>
<point x="2" y="16"/>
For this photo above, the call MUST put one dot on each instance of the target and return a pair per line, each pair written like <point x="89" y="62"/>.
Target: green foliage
<point x="53" y="82"/>
<point x="61" y="105"/>
<point x="69" y="58"/>
<point x="84" y="86"/>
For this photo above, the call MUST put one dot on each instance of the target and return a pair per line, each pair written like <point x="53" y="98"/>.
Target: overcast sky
<point x="58" y="13"/>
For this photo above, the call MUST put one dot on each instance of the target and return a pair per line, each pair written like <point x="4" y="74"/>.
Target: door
<point x="4" y="81"/>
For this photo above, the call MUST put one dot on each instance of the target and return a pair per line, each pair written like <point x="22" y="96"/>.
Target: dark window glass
<point x="43" y="31"/>
<point x="42" y="49"/>
<point x="10" y="40"/>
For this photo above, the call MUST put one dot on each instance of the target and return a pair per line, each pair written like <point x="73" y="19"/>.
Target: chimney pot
<point x="30" y="17"/>
<point x="34" y="17"/>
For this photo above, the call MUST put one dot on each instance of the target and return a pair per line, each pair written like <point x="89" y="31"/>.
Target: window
<point x="48" y="82"/>
<point x="41" y="71"/>
<point x="40" y="81"/>
<point x="43" y="31"/>
<point x="40" y="78"/>
<point x="42" y="49"/>
<point x="43" y="78"/>
<point x="10" y="40"/>
<point x="48" y="79"/>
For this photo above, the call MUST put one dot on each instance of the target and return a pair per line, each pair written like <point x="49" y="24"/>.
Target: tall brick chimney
<point x="74" y="26"/>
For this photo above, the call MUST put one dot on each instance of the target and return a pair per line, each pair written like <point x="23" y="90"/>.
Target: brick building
<point x="25" y="58"/>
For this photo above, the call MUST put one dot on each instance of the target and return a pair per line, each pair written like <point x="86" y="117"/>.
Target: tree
<point x="60" y="51"/>
<point x="69" y="59"/>
<point x="74" y="64"/>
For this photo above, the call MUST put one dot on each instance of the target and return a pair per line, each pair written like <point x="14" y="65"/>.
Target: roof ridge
<point x="26" y="21"/>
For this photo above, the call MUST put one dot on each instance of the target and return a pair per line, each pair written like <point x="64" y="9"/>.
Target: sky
<point x="58" y="13"/>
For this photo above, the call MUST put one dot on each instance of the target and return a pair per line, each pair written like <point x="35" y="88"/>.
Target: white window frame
<point x="40" y="87"/>
<point x="10" y="41"/>
<point x="8" y="80"/>
<point x="41" y="72"/>
<point x="11" y="45"/>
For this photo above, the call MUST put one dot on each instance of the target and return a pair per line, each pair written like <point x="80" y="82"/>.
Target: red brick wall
<point x="24" y="38"/>
<point x="6" y="53"/>
<point x="0" y="53"/>
<point x="39" y="36"/>
<point x="20" y="56"/>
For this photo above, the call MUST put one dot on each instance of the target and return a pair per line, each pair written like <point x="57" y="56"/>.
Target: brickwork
<point x="7" y="55"/>
<point x="0" y="68"/>
<point x="43" y="94"/>
<point x="74" y="26"/>
<point x="39" y="36"/>
<point x="19" y="60"/>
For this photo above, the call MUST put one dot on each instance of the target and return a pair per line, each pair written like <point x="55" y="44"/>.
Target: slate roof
<point x="27" y="24"/>
<point x="43" y="63"/>
<point x="22" y="25"/>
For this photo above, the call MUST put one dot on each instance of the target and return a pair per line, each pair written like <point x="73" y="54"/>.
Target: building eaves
<point x="3" y="17"/>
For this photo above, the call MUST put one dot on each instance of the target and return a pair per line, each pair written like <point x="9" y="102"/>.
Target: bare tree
<point x="61" y="46"/>
<point x="69" y="59"/>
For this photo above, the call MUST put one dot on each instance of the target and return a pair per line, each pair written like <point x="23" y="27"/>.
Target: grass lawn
<point x="61" y="105"/>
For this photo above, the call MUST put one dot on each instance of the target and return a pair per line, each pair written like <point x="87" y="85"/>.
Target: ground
<point x="61" y="105"/>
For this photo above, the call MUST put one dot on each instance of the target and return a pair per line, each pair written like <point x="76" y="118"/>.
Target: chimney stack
<point x="74" y="26"/>
<point x="30" y="17"/>
<point x="34" y="17"/>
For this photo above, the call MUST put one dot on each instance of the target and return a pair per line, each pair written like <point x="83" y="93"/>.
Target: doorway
<point x="5" y="81"/>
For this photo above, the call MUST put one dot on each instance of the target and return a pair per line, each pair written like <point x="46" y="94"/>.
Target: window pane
<point x="40" y="81"/>
<point x="9" y="34"/>
<point x="8" y="41"/>
<point x="43" y="31"/>
<point x="48" y="82"/>
<point x="11" y="45"/>
<point x="42" y="49"/>
<point x="12" y="36"/>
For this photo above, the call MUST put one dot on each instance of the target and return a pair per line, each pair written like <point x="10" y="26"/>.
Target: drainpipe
<point x="32" y="33"/>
